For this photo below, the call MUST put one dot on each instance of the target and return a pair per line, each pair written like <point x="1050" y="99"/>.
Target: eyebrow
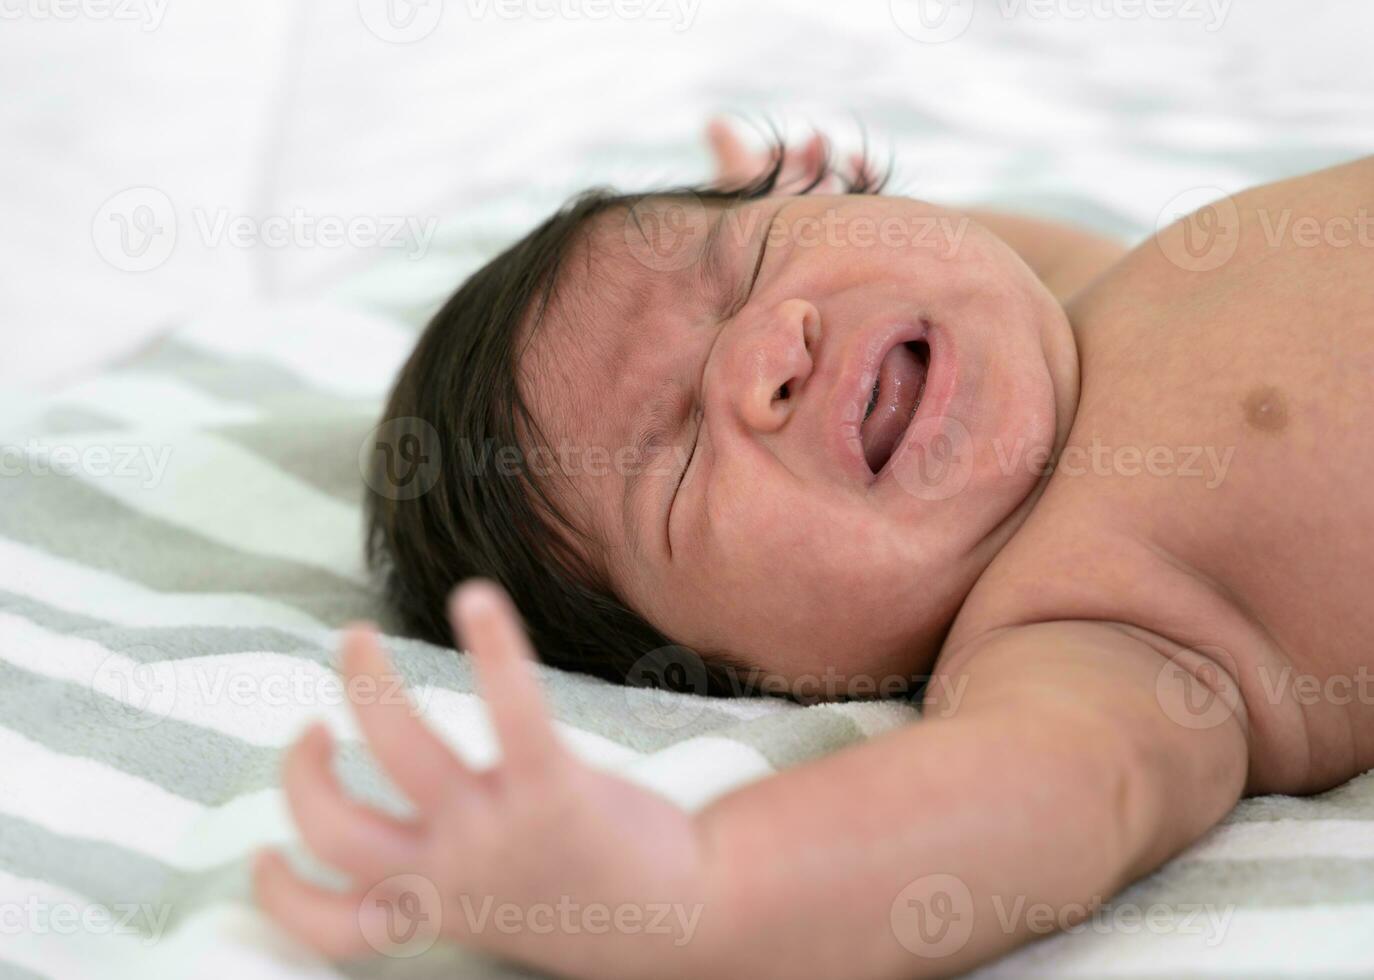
<point x="664" y="413"/>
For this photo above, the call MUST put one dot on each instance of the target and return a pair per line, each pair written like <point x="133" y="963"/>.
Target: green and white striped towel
<point x="179" y="537"/>
<point x="179" y="543"/>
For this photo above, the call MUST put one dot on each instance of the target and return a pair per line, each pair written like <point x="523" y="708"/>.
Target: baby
<point x="1110" y="508"/>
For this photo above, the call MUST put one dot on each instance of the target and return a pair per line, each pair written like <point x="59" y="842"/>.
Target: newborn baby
<point x="1110" y="509"/>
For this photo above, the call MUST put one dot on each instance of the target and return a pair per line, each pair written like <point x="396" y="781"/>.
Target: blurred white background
<point x="168" y="162"/>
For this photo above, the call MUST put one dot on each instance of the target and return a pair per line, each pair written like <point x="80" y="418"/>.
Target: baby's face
<point x="717" y="425"/>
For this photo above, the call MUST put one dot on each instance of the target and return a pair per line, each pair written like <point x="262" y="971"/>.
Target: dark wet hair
<point x="457" y="412"/>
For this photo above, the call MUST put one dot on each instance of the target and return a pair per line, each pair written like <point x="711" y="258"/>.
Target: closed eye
<point x="695" y="408"/>
<point x="763" y="253"/>
<point x="749" y="292"/>
<point x="758" y="267"/>
<point x="691" y="454"/>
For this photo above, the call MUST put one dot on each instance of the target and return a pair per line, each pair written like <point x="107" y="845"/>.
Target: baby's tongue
<point x="901" y="377"/>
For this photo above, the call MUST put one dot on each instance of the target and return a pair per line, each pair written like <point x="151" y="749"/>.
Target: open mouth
<point x="896" y="396"/>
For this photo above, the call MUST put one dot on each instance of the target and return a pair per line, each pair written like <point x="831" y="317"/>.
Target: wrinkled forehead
<point x="592" y="356"/>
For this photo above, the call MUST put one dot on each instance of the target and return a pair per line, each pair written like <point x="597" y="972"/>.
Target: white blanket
<point x="179" y="531"/>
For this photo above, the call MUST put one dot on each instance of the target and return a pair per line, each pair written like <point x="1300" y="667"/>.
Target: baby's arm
<point x="1055" y="765"/>
<point x="1047" y="771"/>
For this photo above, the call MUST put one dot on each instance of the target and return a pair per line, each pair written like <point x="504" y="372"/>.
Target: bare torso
<point x="1215" y="489"/>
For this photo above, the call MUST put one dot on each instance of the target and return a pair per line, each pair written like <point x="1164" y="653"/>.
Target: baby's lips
<point x="901" y="377"/>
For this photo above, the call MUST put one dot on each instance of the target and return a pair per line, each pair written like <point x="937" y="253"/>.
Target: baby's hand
<point x="571" y="866"/>
<point x="736" y="165"/>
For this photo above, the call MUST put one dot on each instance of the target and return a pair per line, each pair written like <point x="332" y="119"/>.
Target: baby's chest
<point x="1217" y="488"/>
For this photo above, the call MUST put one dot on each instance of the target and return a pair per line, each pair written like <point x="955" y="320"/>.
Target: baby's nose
<point x="772" y="363"/>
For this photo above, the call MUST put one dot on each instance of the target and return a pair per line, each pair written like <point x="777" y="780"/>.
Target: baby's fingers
<point x="735" y="162"/>
<point x="803" y="166"/>
<point x="324" y="920"/>
<point x="487" y="623"/>
<point x="421" y="765"/>
<point x="343" y="833"/>
<point x="862" y="170"/>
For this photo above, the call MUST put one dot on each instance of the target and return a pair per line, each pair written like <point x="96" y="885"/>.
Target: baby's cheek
<point x="768" y="534"/>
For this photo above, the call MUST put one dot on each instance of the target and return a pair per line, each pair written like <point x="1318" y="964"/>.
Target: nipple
<point x="1265" y="409"/>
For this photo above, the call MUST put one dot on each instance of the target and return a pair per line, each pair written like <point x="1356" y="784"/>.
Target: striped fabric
<point x="179" y="536"/>
<point x="179" y="545"/>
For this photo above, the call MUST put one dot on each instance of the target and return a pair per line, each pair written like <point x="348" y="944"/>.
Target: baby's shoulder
<point x="1211" y="242"/>
<point x="1081" y="567"/>
<point x="1073" y="576"/>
